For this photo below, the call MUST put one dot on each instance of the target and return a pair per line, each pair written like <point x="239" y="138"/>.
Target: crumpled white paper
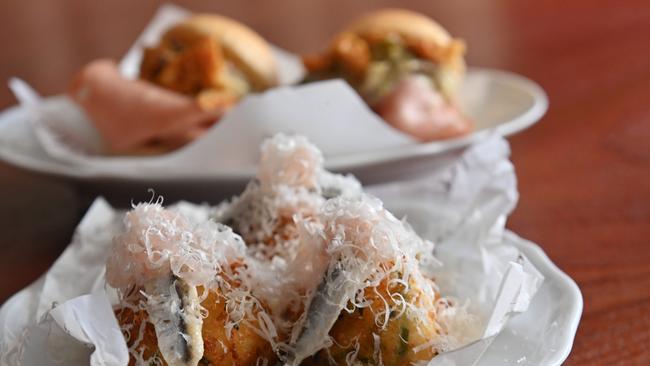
<point x="87" y="319"/>
<point x="462" y="208"/>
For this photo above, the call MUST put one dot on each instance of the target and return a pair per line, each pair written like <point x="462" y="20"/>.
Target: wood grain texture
<point x="584" y="171"/>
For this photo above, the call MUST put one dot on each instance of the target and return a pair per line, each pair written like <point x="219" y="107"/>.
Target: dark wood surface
<point x="584" y="171"/>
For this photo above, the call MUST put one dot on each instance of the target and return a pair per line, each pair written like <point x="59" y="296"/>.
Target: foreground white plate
<point x="462" y="208"/>
<point x="500" y="103"/>
<point x="542" y="336"/>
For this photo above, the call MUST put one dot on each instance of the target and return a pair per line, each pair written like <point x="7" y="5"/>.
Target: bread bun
<point x="406" y="23"/>
<point x="416" y="30"/>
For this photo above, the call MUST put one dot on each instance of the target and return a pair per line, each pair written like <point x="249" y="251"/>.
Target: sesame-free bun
<point x="245" y="48"/>
<point x="416" y="29"/>
<point x="406" y="23"/>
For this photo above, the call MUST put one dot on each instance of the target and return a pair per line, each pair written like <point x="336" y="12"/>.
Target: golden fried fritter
<point x="242" y="347"/>
<point x="355" y="332"/>
<point x="146" y="338"/>
<point x="188" y="71"/>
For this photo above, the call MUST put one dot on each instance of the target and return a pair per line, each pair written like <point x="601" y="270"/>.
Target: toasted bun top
<point x="245" y="48"/>
<point x="406" y="23"/>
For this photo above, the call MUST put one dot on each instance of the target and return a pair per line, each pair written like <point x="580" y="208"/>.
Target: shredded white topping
<point x="299" y="246"/>
<point x="157" y="241"/>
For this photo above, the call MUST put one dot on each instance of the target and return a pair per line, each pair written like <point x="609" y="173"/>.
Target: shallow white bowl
<point x="542" y="336"/>
<point x="500" y="103"/>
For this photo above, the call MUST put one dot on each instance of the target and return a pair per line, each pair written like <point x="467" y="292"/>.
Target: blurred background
<point x="583" y="170"/>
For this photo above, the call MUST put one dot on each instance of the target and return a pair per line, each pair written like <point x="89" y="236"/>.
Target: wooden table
<point x="584" y="171"/>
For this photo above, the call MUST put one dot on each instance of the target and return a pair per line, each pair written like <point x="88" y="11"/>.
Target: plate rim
<point x="533" y="252"/>
<point x="536" y="254"/>
<point x="348" y="162"/>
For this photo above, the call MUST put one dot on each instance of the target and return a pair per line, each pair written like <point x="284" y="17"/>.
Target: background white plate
<point x="500" y="103"/>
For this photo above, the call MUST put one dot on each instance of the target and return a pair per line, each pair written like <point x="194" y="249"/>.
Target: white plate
<point x="499" y="102"/>
<point x="542" y="336"/>
<point x="466" y="222"/>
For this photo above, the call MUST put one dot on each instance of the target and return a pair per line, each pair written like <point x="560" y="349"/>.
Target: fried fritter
<point x="382" y="333"/>
<point x="242" y="345"/>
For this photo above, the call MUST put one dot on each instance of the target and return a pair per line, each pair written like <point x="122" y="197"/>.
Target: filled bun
<point x="215" y="59"/>
<point x="420" y="33"/>
<point x="405" y="66"/>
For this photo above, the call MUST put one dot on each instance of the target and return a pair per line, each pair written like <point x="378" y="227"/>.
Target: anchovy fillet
<point x="330" y="297"/>
<point x="174" y="310"/>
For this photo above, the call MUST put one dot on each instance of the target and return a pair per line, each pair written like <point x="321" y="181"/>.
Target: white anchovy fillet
<point x="330" y="297"/>
<point x="174" y="310"/>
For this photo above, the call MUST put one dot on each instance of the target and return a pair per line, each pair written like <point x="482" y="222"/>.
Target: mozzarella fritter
<point x="387" y="331"/>
<point x="237" y="345"/>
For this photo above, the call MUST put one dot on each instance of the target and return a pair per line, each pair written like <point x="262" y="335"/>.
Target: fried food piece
<point x="139" y="334"/>
<point x="196" y="71"/>
<point x="212" y="58"/>
<point x="352" y="53"/>
<point x="161" y="266"/>
<point x="241" y="345"/>
<point x="188" y="72"/>
<point x="381" y="332"/>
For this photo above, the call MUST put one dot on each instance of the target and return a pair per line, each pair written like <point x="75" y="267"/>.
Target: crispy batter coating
<point x="434" y="52"/>
<point x="197" y="68"/>
<point x="348" y="55"/>
<point x="243" y="346"/>
<point x="372" y="62"/>
<point x="189" y="70"/>
<point x="397" y="339"/>
<point x="148" y="344"/>
<point x="351" y="53"/>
